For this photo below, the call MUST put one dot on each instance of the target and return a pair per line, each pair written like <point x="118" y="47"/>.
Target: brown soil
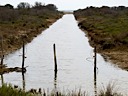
<point x="15" y="41"/>
<point x="118" y="57"/>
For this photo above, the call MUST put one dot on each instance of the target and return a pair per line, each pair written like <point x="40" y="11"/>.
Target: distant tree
<point x="114" y="8"/>
<point x="91" y="7"/>
<point x="23" y="5"/>
<point x="9" y="6"/>
<point x="121" y="7"/>
<point x="51" y="7"/>
<point x="38" y="4"/>
<point x="105" y="7"/>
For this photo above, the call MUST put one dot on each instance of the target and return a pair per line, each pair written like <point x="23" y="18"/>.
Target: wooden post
<point x="95" y="67"/>
<point x="55" y="60"/>
<point x="95" y="84"/>
<point x="2" y="54"/>
<point x="2" y="79"/>
<point x="95" y="58"/>
<point x="55" y="80"/>
<point x="23" y="57"/>
<point x="23" y="81"/>
<point x="2" y="60"/>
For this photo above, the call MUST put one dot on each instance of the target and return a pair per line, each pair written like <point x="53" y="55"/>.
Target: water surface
<point x="74" y="58"/>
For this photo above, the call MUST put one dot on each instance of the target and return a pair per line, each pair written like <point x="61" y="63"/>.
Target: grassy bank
<point x="8" y="90"/>
<point x="24" y="23"/>
<point x="107" y="28"/>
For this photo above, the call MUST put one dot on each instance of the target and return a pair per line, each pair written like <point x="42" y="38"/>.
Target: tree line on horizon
<point x="25" y="20"/>
<point x="113" y="11"/>
<point x="26" y="5"/>
<point x="107" y="26"/>
<point x="9" y="13"/>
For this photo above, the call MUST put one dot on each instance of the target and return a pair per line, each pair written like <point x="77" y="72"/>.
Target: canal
<point x="74" y="58"/>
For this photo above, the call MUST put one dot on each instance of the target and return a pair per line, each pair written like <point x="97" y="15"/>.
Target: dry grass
<point x="118" y="57"/>
<point x="108" y="30"/>
<point x="109" y="91"/>
<point x="8" y="90"/>
<point x="28" y="24"/>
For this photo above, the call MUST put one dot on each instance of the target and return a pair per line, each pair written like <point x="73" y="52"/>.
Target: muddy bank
<point x="23" y="24"/>
<point x="12" y="42"/>
<point x="116" y="55"/>
<point x="107" y="32"/>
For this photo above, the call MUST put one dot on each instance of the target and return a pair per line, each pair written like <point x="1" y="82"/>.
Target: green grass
<point x="109" y="91"/>
<point x="20" y="22"/>
<point x="8" y="90"/>
<point x="105" y="26"/>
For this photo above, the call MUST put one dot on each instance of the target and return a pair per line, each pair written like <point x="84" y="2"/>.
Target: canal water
<point x="74" y="59"/>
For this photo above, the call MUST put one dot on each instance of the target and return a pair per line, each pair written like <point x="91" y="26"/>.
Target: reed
<point x="109" y="91"/>
<point x="8" y="90"/>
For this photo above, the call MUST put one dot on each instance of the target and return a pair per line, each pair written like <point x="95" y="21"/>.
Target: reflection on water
<point x="23" y="80"/>
<point x="55" y="80"/>
<point x="74" y="59"/>
<point x="95" y="71"/>
<point x="2" y="79"/>
<point x="95" y="82"/>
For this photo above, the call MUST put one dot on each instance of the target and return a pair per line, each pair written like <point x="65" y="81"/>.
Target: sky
<point x="70" y="4"/>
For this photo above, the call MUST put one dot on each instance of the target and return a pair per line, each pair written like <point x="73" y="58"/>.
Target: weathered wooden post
<point x="95" y="59"/>
<point x="2" y="60"/>
<point x="95" y="84"/>
<point x="23" y="56"/>
<point x="2" y="54"/>
<point x="2" y="79"/>
<point x="95" y="68"/>
<point x="23" y="81"/>
<point x="55" y="80"/>
<point x="55" y="69"/>
<point x="55" y="60"/>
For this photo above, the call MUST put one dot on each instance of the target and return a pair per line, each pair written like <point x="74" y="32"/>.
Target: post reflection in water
<point x="2" y="79"/>
<point x="23" y="81"/>
<point x="95" y="83"/>
<point x="55" y="80"/>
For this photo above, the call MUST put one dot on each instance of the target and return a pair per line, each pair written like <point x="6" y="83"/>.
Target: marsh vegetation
<point x="8" y="90"/>
<point x="107" y="29"/>
<point x="24" y="22"/>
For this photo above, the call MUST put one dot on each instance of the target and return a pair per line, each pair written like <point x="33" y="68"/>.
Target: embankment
<point x="24" y="24"/>
<point x="107" y="29"/>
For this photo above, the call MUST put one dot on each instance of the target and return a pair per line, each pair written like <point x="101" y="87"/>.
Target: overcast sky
<point x="70" y="4"/>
